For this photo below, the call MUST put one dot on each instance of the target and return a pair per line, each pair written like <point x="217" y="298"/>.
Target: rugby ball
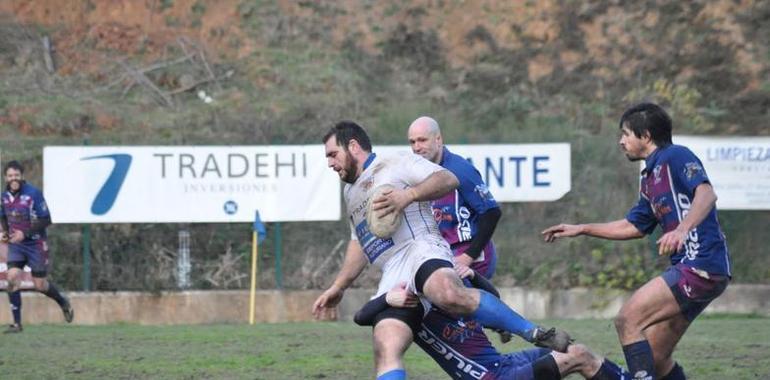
<point x="386" y="226"/>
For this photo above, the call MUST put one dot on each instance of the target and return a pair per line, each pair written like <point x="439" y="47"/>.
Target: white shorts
<point x="403" y="266"/>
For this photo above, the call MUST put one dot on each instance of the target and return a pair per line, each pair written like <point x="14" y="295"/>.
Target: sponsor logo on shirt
<point x="460" y="331"/>
<point x="691" y="245"/>
<point x="656" y="173"/>
<point x="691" y="169"/>
<point x="661" y="208"/>
<point x="473" y="370"/>
<point x="483" y="191"/>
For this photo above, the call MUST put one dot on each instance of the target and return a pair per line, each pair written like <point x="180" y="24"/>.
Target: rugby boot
<point x="13" y="329"/>
<point x="557" y="340"/>
<point x="68" y="311"/>
<point x="505" y="336"/>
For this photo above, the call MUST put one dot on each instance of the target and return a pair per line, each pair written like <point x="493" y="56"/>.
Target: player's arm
<point x="704" y="200"/>
<point x="486" y="227"/>
<point x="399" y="296"/>
<point x="4" y="226"/>
<point x="354" y="264"/>
<point x="433" y="187"/>
<point x="38" y="225"/>
<point x="617" y="230"/>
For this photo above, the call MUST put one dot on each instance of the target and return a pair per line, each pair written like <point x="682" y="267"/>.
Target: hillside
<point x="129" y="72"/>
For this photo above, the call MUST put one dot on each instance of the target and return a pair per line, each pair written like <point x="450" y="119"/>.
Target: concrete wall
<point x="196" y="307"/>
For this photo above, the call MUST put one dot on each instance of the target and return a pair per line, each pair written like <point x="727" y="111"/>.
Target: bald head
<point x="425" y="138"/>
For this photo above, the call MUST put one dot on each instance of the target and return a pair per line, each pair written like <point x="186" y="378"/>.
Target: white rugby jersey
<point x="401" y="170"/>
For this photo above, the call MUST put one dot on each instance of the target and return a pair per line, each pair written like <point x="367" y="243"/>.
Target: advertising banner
<point x="189" y="184"/>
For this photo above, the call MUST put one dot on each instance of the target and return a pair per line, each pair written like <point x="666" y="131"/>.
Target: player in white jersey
<point x="416" y="253"/>
<point x="417" y="239"/>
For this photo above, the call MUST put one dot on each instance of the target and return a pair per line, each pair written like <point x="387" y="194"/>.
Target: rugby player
<point x="24" y="217"/>
<point x="415" y="254"/>
<point x="676" y="194"/>
<point x="467" y="216"/>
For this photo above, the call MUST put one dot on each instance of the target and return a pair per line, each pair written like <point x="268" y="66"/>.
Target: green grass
<point x="722" y="347"/>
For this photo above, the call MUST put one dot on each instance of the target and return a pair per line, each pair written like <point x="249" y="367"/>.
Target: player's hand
<point x="671" y="242"/>
<point x="328" y="299"/>
<point x="400" y="296"/>
<point x="464" y="271"/>
<point x="464" y="259"/>
<point x="392" y="201"/>
<point x="550" y="234"/>
<point x="16" y="236"/>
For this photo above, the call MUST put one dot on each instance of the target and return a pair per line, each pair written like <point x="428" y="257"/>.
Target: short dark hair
<point x="651" y="118"/>
<point x="347" y="130"/>
<point x="13" y="165"/>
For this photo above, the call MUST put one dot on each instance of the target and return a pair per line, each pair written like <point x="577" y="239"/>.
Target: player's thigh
<point x="651" y="303"/>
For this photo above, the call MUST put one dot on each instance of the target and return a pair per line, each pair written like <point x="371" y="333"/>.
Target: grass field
<point x="724" y="347"/>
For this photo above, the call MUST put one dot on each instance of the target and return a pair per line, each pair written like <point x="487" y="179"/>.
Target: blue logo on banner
<point x="230" y="207"/>
<point x="106" y="197"/>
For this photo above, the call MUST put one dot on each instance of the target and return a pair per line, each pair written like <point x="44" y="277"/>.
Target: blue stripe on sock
<point x="396" y="374"/>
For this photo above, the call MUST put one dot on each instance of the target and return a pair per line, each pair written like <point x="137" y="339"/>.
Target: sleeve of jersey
<point x="40" y="207"/>
<point x="473" y="189"/>
<point x="417" y="169"/>
<point x="642" y="217"/>
<point x="688" y="170"/>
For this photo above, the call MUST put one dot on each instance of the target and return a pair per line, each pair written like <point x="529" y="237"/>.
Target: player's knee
<point x="41" y="285"/>
<point x="454" y="300"/>
<point x="13" y="275"/>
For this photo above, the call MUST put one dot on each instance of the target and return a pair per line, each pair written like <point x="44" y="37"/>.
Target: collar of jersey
<point x="444" y="155"/>
<point x="652" y="159"/>
<point x="369" y="160"/>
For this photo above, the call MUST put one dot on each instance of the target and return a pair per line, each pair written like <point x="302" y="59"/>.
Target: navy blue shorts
<point x="518" y="365"/>
<point x="34" y="255"/>
<point x="693" y="288"/>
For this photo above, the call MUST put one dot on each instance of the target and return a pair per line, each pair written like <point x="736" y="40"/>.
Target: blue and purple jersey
<point x="460" y="347"/>
<point x="667" y="189"/>
<point x="457" y="213"/>
<point x="22" y="209"/>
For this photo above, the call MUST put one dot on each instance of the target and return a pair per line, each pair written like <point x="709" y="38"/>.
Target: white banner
<point x="517" y="172"/>
<point x="183" y="184"/>
<point x="738" y="167"/>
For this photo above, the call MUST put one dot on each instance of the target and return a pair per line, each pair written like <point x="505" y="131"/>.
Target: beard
<point x="14" y="186"/>
<point x="633" y="158"/>
<point x="350" y="171"/>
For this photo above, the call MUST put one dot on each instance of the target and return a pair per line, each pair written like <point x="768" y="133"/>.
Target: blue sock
<point x="15" y="299"/>
<point x="396" y="374"/>
<point x="610" y="371"/>
<point x="639" y="359"/>
<point x="495" y="314"/>
<point x="676" y="373"/>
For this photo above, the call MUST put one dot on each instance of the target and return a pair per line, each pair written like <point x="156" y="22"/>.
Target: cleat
<point x="557" y="340"/>
<point x="505" y="336"/>
<point x="68" y="311"/>
<point x="13" y="329"/>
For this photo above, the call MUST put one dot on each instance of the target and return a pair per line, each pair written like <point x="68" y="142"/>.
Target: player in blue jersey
<point x="462" y="349"/>
<point x="676" y="194"/>
<point x="24" y="217"/>
<point x="467" y="216"/>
